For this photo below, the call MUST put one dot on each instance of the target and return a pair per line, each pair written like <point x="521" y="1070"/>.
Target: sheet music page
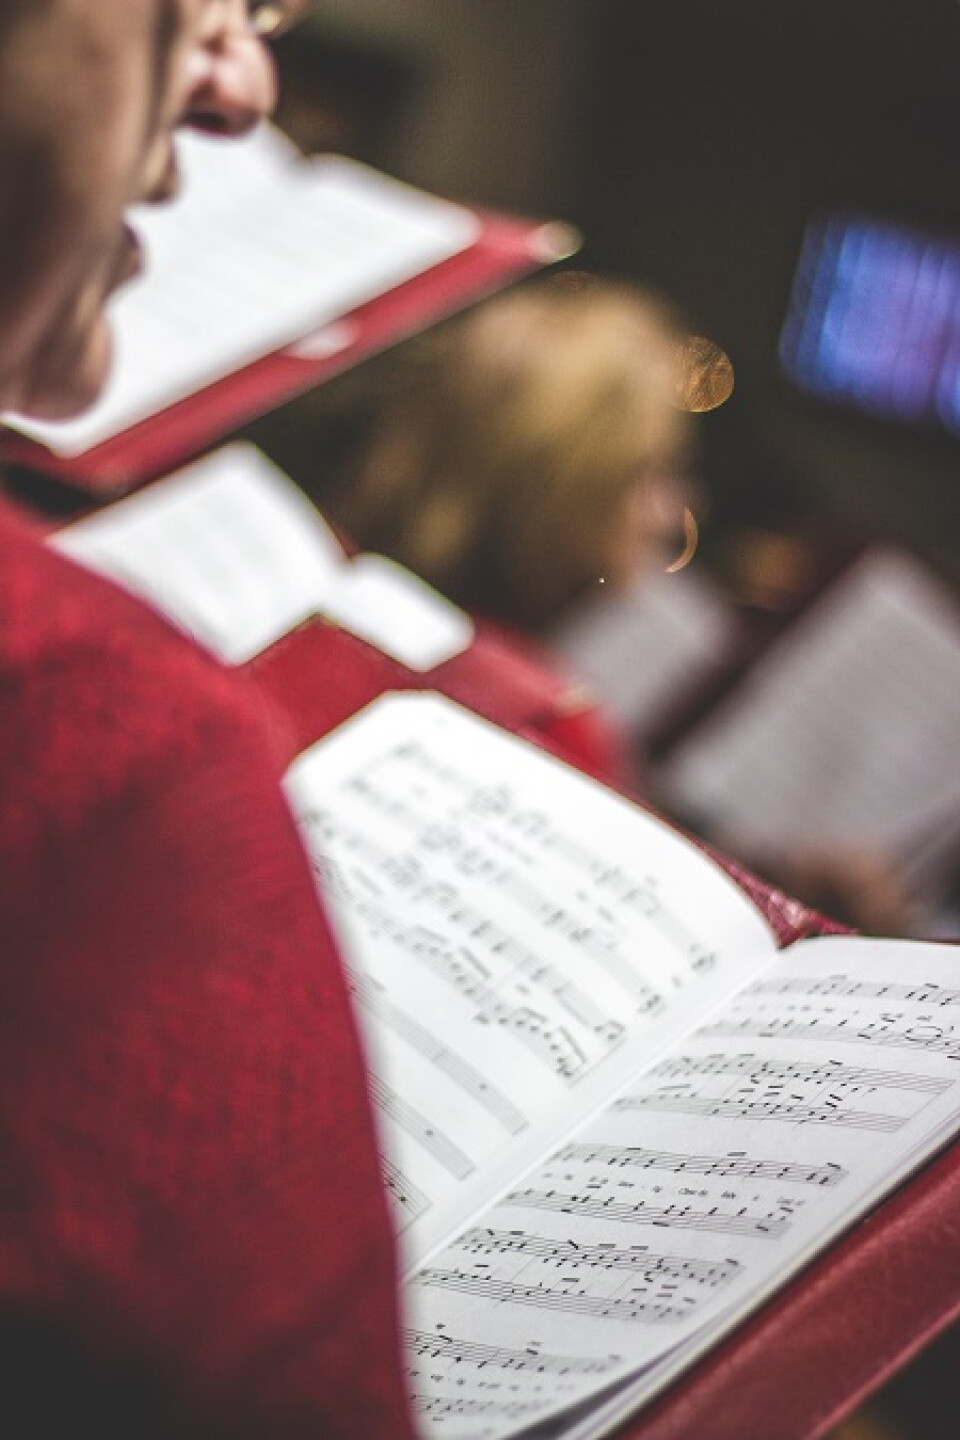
<point x="233" y="552"/>
<point x="239" y="267"/>
<point x="847" y="731"/>
<point x="704" y="1185"/>
<point x="229" y="549"/>
<point x="515" y="934"/>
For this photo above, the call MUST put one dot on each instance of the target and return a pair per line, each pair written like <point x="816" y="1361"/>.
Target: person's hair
<point x="509" y="449"/>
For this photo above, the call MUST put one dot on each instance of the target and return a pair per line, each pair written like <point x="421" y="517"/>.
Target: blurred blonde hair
<point x="501" y="468"/>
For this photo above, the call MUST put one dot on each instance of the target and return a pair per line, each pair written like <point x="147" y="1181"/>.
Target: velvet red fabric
<point x="190" y="1205"/>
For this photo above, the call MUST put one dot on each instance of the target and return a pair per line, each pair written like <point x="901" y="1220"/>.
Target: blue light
<point x="874" y="319"/>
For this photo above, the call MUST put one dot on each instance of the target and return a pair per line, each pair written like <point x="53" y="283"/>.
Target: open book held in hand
<point x="270" y="273"/>
<point x="615" y="1118"/>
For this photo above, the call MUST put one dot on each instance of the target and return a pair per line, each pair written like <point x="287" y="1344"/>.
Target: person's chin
<point x="76" y="379"/>
<point x="72" y="369"/>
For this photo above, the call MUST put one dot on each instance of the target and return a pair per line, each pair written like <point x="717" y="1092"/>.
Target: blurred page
<point x="847" y="731"/>
<point x="229" y="549"/>
<point x="396" y="611"/>
<point x="235" y="554"/>
<point x="649" y="649"/>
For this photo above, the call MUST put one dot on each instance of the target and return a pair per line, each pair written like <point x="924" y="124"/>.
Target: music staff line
<point x="469" y="1079"/>
<point x="598" y="943"/>
<point x="639" y="896"/>
<point x="842" y="987"/>
<point x="852" y="1033"/>
<point x="532" y="1028"/>
<point x="426" y="1345"/>
<point x="735" y="1163"/>
<point x="681" y="1217"/>
<point x="415" y="1124"/>
<point x="412" y="1201"/>
<point x="792" y="1111"/>
<point x="461" y="1407"/>
<point x="637" y="1259"/>
<point x="553" y="1044"/>
<point x="473" y="859"/>
<point x="476" y="926"/>
<point x="523" y="960"/>
<point x="827" y="1073"/>
<point x="622" y="1308"/>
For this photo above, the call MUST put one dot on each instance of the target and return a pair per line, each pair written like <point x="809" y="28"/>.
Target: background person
<point x="525" y="456"/>
<point x="532" y="451"/>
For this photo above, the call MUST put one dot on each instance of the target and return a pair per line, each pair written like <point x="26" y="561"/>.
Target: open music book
<point x="615" y="1118"/>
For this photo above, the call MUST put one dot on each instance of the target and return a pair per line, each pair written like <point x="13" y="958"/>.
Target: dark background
<point x="690" y="140"/>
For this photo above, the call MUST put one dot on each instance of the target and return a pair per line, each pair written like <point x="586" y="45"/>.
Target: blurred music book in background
<point x="843" y="730"/>
<point x="270" y="273"/>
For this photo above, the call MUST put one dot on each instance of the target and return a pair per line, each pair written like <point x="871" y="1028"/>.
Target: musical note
<point x="523" y="961"/>
<point x="600" y="944"/>
<point x="735" y="1163"/>
<point x="682" y="1217"/>
<point x="567" y="1253"/>
<point x="640" y="896"/>
<point x="458" y="842"/>
<point x="411" y="1202"/>
<point x="601" y="1307"/>
<point x="469" y="859"/>
<point x="458" y="965"/>
<point x="553" y="1044"/>
<point x="450" y="1156"/>
<point x="456" y="962"/>
<point x="426" y="1345"/>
